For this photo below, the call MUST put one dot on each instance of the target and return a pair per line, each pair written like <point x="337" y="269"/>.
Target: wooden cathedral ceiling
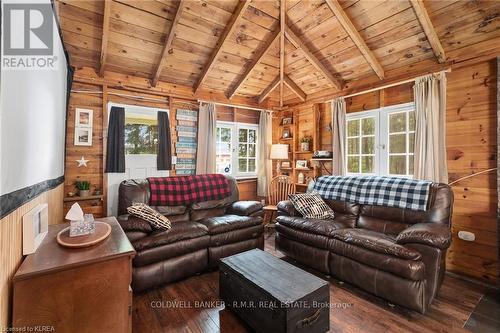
<point x="278" y="49"/>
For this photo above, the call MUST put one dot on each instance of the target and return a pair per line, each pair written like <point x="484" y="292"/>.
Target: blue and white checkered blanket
<point x="374" y="190"/>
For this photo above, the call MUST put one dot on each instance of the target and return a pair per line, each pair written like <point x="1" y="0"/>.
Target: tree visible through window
<point x="361" y="145"/>
<point x="237" y="149"/>
<point x="381" y="141"/>
<point x="141" y="138"/>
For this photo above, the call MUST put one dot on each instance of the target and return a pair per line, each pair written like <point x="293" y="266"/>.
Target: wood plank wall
<point x="11" y="244"/>
<point x="471" y="147"/>
<point x="94" y="172"/>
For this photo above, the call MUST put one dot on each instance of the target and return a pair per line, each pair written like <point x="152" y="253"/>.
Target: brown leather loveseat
<point x="201" y="234"/>
<point x="397" y="254"/>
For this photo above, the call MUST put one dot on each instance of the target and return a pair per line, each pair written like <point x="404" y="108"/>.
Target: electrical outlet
<point x="466" y="236"/>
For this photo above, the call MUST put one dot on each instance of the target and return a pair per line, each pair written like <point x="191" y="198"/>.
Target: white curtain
<point x="207" y="129"/>
<point x="264" y="169"/>
<point x="430" y="117"/>
<point x="339" y="136"/>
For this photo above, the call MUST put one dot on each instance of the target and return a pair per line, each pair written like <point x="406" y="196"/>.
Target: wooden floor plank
<point x="193" y="305"/>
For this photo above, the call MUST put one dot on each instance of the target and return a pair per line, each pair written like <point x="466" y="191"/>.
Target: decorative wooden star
<point x="82" y="162"/>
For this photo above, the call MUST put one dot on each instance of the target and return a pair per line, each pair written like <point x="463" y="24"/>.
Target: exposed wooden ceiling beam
<point x="230" y="27"/>
<point x="168" y="44"/>
<point x="295" y="88"/>
<point x="430" y="32"/>
<point x="282" y="48"/>
<point x="298" y="43"/>
<point x="105" y="36"/>
<point x="255" y="62"/>
<point x="269" y="89"/>
<point x="351" y="30"/>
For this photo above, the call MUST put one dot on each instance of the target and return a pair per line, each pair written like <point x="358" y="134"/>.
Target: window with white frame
<point x="237" y="149"/>
<point x="381" y="141"/>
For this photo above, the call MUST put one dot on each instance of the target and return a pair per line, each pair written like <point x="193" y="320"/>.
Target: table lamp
<point x="279" y="152"/>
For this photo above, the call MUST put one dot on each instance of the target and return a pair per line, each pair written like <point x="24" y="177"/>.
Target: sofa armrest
<point x="132" y="223"/>
<point x="245" y="208"/>
<point x="286" y="208"/>
<point x="433" y="234"/>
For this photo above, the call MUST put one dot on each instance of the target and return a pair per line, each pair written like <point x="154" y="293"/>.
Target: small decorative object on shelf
<point x="285" y="164"/>
<point x="80" y="224"/>
<point x="301" y="164"/>
<point x="305" y="143"/>
<point x="286" y="134"/>
<point x="300" y="178"/>
<point x="71" y="194"/>
<point x="83" y="187"/>
<point x="97" y="191"/>
<point x="322" y="154"/>
<point x="287" y="121"/>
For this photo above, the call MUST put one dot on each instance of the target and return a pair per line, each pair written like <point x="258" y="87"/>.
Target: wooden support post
<point x="230" y="28"/>
<point x="168" y="44"/>
<point x="105" y="36"/>
<point x="430" y="32"/>
<point x="299" y="43"/>
<point x="351" y="30"/>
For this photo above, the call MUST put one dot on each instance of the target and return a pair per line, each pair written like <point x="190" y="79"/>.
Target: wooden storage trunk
<point x="271" y="295"/>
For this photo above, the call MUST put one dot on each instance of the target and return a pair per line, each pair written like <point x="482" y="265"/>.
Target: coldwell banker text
<point x="28" y="35"/>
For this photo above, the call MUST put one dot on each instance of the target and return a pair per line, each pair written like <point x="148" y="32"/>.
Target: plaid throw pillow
<point x="147" y="213"/>
<point x="311" y="206"/>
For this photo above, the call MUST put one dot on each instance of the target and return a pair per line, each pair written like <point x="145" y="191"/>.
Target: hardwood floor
<point x="193" y="305"/>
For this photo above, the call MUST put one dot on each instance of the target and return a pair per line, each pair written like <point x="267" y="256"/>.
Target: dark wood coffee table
<point x="271" y="295"/>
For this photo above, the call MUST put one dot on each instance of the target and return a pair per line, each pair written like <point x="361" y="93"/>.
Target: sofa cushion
<point x="376" y="241"/>
<point x="245" y="208"/>
<point x="310" y="205"/>
<point x="432" y="234"/>
<point x="172" y="250"/>
<point x="132" y="223"/>
<point x="408" y="269"/>
<point x="304" y="237"/>
<point x="179" y="231"/>
<point x="236" y="236"/>
<point x="314" y="226"/>
<point x="147" y="213"/>
<point x="225" y="223"/>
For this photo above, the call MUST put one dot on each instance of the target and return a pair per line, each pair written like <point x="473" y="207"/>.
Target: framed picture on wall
<point x="83" y="117"/>
<point x="301" y="164"/>
<point x="83" y="136"/>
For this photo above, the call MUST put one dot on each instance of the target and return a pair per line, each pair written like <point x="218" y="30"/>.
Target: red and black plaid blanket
<point x="182" y="190"/>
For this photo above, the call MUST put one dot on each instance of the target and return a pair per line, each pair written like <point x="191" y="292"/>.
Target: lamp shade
<point x="279" y="152"/>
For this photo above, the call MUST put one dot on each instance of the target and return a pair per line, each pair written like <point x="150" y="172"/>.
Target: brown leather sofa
<point x="201" y="234"/>
<point x="394" y="253"/>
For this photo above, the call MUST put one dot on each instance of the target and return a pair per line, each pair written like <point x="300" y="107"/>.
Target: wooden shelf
<point x="330" y="159"/>
<point x="304" y="169"/>
<point x="303" y="152"/>
<point x="286" y="139"/>
<point x="79" y="198"/>
<point x="286" y="168"/>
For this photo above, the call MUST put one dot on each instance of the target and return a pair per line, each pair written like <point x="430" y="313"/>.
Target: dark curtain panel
<point x="164" y="156"/>
<point x="115" y="155"/>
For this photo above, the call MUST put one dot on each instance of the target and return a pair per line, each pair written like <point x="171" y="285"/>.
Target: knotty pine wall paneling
<point x="471" y="139"/>
<point x="11" y="248"/>
<point x="94" y="170"/>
